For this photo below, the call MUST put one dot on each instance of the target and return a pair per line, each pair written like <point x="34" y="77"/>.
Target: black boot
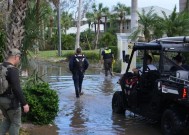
<point x="77" y="93"/>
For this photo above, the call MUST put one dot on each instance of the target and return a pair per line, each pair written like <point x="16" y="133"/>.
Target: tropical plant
<point x="113" y="24"/>
<point x="68" y="41"/>
<point x="86" y="39"/>
<point x="146" y="27"/>
<point x="121" y="12"/>
<point x="33" y="26"/>
<point x="158" y="30"/>
<point x="98" y="12"/>
<point x="66" y="21"/>
<point x="108" y="39"/>
<point x="90" y="18"/>
<point x="176" y="24"/>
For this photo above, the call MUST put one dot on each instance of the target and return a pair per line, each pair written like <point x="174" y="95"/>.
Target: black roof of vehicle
<point x="175" y="44"/>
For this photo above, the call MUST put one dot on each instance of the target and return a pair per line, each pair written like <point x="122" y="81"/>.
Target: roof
<point x="157" y="10"/>
<point x="174" y="44"/>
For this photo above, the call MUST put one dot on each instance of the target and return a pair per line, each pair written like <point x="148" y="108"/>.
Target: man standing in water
<point x="107" y="56"/>
<point x="12" y="100"/>
<point x="77" y="65"/>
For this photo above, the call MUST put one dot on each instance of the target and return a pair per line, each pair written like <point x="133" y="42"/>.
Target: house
<point x="126" y="26"/>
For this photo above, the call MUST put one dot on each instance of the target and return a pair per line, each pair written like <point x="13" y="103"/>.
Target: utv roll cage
<point x="168" y="44"/>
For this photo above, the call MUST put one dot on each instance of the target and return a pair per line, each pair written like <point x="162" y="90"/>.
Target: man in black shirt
<point x="77" y="65"/>
<point x="12" y="99"/>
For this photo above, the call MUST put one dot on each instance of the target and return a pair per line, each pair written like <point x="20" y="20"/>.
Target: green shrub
<point x="108" y="39"/>
<point x="42" y="100"/>
<point x="90" y="55"/>
<point x="68" y="42"/>
<point x="68" y="55"/>
<point x="86" y="39"/>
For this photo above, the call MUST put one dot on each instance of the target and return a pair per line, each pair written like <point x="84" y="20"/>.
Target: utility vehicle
<point x="162" y="94"/>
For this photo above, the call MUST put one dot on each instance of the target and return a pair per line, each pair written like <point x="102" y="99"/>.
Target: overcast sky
<point x="168" y="4"/>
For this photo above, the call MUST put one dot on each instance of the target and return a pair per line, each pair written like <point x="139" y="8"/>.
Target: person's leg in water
<point x="109" y="66"/>
<point x="76" y="84"/>
<point x="106" y="67"/>
<point x="81" y="76"/>
<point x="110" y="69"/>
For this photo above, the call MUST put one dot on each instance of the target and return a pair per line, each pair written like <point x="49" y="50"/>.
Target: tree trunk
<point x="15" y="30"/>
<point x="59" y="30"/>
<point x="51" y="26"/>
<point x="121" y="25"/>
<point x="78" y="26"/>
<point x="105" y="28"/>
<point x="97" y="35"/>
<point x="42" y="27"/>
<point x="95" y="27"/>
<point x="37" y="11"/>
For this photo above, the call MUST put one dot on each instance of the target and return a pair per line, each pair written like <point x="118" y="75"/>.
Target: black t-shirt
<point x="107" y="54"/>
<point x="14" y="83"/>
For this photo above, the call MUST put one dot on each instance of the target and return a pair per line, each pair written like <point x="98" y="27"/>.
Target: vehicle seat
<point x="148" y="78"/>
<point x="147" y="83"/>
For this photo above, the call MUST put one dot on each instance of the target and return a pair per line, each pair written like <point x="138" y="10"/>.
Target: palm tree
<point x="121" y="10"/>
<point x="66" y="21"/>
<point x="98" y="13"/>
<point x="90" y="18"/>
<point x="15" y="33"/>
<point x="57" y="5"/>
<point x="146" y="21"/>
<point x="176" y="24"/>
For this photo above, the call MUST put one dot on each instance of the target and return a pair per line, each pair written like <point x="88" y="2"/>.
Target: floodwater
<point x="91" y="114"/>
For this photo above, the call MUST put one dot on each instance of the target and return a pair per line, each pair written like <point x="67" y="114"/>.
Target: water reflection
<point x="77" y="119"/>
<point x="118" y="123"/>
<point x="107" y="85"/>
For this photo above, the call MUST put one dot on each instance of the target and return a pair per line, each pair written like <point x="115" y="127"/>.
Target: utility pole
<point x="59" y="30"/>
<point x="78" y="25"/>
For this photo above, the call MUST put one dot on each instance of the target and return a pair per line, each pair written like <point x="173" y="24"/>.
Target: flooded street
<point x="91" y="114"/>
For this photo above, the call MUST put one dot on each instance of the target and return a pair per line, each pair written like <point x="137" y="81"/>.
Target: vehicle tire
<point x="118" y="103"/>
<point x="171" y="123"/>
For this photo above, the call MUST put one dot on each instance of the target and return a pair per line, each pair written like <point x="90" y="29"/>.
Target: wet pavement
<point x="91" y="114"/>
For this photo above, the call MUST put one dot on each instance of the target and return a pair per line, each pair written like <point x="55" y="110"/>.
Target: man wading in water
<point x="77" y="65"/>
